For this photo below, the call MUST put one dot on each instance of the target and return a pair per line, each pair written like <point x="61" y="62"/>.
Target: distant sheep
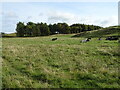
<point x="86" y="40"/>
<point x="99" y="38"/>
<point x="54" y="39"/>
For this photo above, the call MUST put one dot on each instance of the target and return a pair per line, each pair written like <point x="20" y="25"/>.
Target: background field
<point x="38" y="62"/>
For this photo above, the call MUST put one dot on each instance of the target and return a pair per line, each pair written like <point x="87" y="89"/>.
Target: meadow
<point x="39" y="62"/>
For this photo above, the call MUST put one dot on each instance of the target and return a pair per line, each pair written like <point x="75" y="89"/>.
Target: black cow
<point x="112" y="38"/>
<point x="88" y="39"/>
<point x="54" y="39"/>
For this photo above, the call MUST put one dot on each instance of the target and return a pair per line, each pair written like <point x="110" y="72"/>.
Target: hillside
<point x="39" y="62"/>
<point x="9" y="35"/>
<point x="105" y="32"/>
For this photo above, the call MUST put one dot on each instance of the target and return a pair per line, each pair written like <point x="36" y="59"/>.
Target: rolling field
<point x="38" y="62"/>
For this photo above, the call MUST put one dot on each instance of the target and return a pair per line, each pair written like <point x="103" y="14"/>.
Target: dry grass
<point x="65" y="63"/>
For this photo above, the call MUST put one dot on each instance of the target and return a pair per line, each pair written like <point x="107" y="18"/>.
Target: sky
<point x="97" y="13"/>
<point x="119" y="13"/>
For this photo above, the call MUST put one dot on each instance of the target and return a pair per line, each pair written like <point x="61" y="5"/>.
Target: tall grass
<point x="39" y="62"/>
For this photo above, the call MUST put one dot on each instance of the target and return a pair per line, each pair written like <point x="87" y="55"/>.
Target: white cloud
<point x="1" y="12"/>
<point x="56" y="16"/>
<point x="9" y="14"/>
<point x="60" y="17"/>
<point x="41" y="14"/>
<point x="29" y="18"/>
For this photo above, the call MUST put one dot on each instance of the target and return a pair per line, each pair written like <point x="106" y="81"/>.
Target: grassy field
<point x="38" y="62"/>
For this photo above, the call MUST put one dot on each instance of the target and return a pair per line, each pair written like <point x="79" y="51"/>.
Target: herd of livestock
<point x="88" y="39"/>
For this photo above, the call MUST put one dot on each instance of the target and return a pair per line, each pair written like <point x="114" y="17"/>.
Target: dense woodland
<point x="42" y="29"/>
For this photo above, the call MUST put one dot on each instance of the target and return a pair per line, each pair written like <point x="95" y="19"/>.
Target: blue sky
<point x="98" y="13"/>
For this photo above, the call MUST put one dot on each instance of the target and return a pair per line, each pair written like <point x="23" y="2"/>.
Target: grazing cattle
<point x="86" y="40"/>
<point x="108" y="38"/>
<point x="99" y="38"/>
<point x="112" y="38"/>
<point x="54" y="39"/>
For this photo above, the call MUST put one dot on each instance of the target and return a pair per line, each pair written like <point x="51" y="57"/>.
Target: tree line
<point x="42" y="29"/>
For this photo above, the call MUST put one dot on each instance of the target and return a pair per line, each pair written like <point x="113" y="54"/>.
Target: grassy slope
<point x="110" y="31"/>
<point x="66" y="63"/>
<point x="10" y="35"/>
